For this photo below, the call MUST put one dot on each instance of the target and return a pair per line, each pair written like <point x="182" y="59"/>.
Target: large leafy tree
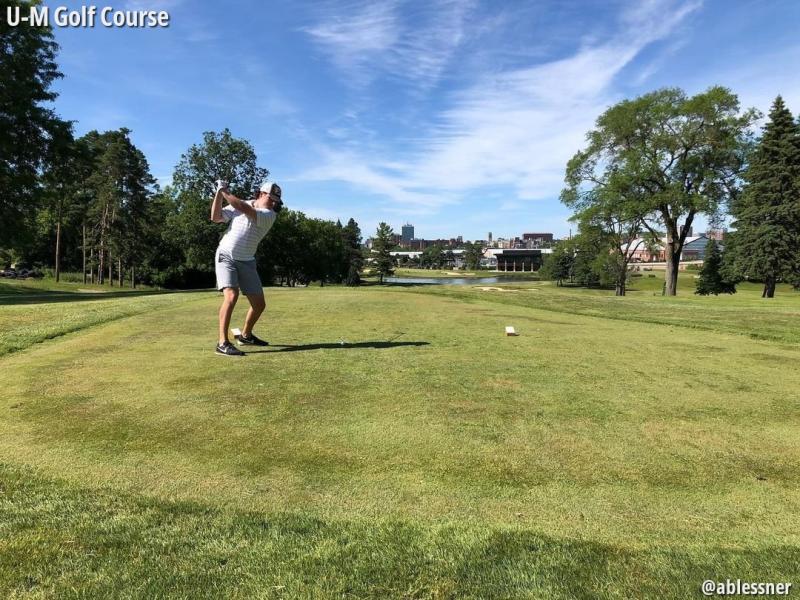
<point x="675" y="156"/>
<point x="27" y="122"/>
<point x="219" y="156"/>
<point x="383" y="243"/>
<point x="766" y="243"/>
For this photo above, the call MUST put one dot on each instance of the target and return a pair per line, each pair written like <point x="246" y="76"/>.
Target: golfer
<point x="235" y="260"/>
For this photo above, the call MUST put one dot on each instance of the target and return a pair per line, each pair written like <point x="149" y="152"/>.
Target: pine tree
<point x="767" y="214"/>
<point x="711" y="279"/>
<point x="382" y="246"/>
<point x="355" y="260"/>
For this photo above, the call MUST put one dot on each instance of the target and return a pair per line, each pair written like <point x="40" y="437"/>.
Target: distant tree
<point x="473" y="253"/>
<point x="711" y="279"/>
<point x="449" y="258"/>
<point x="27" y="122"/>
<point x="766" y="243"/>
<point x="433" y="257"/>
<point x="677" y="156"/>
<point x="381" y="249"/>
<point x="354" y="258"/>
<point x="326" y="250"/>
<point x="285" y="253"/>
<point x="590" y="253"/>
<point x="558" y="265"/>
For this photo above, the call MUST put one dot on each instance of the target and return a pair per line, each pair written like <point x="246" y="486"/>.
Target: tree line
<point x="653" y="164"/>
<point x="90" y="204"/>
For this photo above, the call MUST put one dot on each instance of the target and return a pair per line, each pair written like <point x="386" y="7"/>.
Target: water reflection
<point x="456" y="280"/>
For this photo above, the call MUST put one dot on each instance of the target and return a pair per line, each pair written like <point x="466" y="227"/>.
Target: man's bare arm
<point x="239" y="205"/>
<point x="216" y="208"/>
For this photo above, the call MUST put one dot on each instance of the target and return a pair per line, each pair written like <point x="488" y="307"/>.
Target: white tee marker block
<point x="236" y="331"/>
<point x="510" y="330"/>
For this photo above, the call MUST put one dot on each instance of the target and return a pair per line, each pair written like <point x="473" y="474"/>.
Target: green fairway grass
<point x="776" y="319"/>
<point x="392" y="442"/>
<point x="34" y="311"/>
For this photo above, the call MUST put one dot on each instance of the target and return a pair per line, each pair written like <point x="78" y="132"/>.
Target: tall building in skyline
<point x="408" y="233"/>
<point x="490" y="237"/>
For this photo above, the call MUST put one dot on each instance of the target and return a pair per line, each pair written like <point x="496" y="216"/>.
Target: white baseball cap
<point x="270" y="188"/>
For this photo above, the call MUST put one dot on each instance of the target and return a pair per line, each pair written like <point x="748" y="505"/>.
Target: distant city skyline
<point x="459" y="116"/>
<point x="416" y="235"/>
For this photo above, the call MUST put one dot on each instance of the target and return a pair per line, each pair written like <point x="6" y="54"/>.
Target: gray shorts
<point x="240" y="274"/>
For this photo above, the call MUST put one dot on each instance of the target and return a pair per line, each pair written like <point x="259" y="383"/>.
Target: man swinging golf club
<point x="235" y="262"/>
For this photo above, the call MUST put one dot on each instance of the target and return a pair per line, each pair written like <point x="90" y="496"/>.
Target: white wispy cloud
<point x="353" y="169"/>
<point x="515" y="128"/>
<point x="355" y="35"/>
<point x="367" y="39"/>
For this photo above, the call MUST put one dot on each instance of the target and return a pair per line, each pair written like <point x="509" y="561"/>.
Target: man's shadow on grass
<point x="335" y="346"/>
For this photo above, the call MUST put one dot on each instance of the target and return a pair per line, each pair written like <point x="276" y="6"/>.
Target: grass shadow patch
<point x="61" y="540"/>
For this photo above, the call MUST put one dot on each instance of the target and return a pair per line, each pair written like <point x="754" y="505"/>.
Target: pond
<point x="457" y="280"/>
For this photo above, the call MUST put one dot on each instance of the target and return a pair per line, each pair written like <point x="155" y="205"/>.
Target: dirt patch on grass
<point x="493" y="289"/>
<point x="497" y="383"/>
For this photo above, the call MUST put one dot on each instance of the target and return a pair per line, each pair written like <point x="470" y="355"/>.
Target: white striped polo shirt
<point x="243" y="235"/>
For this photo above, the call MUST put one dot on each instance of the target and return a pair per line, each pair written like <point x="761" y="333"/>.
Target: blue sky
<point x="458" y="116"/>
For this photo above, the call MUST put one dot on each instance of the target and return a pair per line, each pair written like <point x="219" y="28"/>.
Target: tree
<point x="674" y="156"/>
<point x="220" y="156"/>
<point x="558" y="265"/>
<point x="300" y="249"/>
<point x="64" y="196"/>
<point x="284" y="254"/>
<point x="134" y="223"/>
<point x="27" y="72"/>
<point x="590" y="253"/>
<point x="381" y="249"/>
<point x="161" y="262"/>
<point x="119" y="187"/>
<point x="432" y="257"/>
<point x="326" y="249"/>
<point x="766" y="243"/>
<point x="711" y="279"/>
<point x="355" y="260"/>
<point x="610" y="212"/>
<point x="473" y="253"/>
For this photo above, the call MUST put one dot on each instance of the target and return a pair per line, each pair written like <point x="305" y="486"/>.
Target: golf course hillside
<point x="393" y="442"/>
